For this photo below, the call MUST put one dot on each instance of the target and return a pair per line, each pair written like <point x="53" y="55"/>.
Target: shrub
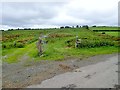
<point x="94" y="26"/>
<point x="11" y="45"/>
<point x="3" y="46"/>
<point x="86" y="26"/>
<point x="7" y="45"/>
<point x="33" y="40"/>
<point x="67" y="27"/>
<point x="20" y="45"/>
<point x="70" y="42"/>
<point x="77" y="26"/>
<point x="103" y="32"/>
<point x="61" y="27"/>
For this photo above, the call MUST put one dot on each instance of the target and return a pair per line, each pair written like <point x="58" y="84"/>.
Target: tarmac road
<point x="100" y="75"/>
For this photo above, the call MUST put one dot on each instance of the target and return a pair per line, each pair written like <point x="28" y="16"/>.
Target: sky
<point x="56" y="13"/>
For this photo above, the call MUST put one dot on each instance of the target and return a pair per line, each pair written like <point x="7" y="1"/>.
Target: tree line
<point x="77" y="26"/>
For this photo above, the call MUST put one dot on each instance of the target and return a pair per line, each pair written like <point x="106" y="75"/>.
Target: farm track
<point x="100" y="75"/>
<point x="22" y="74"/>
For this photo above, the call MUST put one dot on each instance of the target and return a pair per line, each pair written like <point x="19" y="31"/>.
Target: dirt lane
<point x="26" y="73"/>
<point x="100" y="75"/>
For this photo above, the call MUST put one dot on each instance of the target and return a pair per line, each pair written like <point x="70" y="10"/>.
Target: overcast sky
<point x="50" y="14"/>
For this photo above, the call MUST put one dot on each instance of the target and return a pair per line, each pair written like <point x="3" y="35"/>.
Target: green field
<point x="104" y="28"/>
<point x="60" y="46"/>
<point x="116" y="34"/>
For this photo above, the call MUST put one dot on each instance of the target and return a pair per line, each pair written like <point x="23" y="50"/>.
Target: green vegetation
<point x="116" y="34"/>
<point x="18" y="44"/>
<point x="104" y="28"/>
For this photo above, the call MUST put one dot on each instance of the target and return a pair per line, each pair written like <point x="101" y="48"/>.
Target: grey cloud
<point x="95" y="16"/>
<point x="22" y="14"/>
<point x="28" y="13"/>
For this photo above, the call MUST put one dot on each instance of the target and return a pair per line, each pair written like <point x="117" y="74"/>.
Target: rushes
<point x="91" y="43"/>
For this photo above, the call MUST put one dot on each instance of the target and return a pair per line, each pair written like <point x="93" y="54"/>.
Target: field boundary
<point x="106" y="30"/>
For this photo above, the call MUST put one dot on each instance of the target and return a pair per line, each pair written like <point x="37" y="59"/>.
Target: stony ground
<point x="100" y="75"/>
<point x="24" y="73"/>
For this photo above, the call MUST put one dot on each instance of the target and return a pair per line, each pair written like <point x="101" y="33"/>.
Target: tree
<point x="94" y="26"/>
<point x="85" y="26"/>
<point x="61" y="27"/>
<point x="77" y="26"/>
<point x="67" y="27"/>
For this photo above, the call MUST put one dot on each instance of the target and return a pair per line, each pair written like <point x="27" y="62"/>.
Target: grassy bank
<point x="57" y="47"/>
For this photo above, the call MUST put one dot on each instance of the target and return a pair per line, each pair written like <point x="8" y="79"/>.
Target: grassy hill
<point x="19" y="44"/>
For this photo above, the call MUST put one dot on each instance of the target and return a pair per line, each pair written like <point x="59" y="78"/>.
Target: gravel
<point x="28" y="72"/>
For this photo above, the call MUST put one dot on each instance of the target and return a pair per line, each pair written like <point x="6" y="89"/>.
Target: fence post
<point x="39" y="46"/>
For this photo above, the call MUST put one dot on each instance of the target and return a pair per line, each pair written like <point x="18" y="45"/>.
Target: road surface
<point x="100" y="75"/>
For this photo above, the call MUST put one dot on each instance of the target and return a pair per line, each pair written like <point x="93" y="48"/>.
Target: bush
<point x="67" y="27"/>
<point x="61" y="27"/>
<point x="94" y="26"/>
<point x="20" y="45"/>
<point x="70" y="42"/>
<point x="86" y="26"/>
<point x="33" y="40"/>
<point x="77" y="26"/>
<point x="7" y="45"/>
<point x="4" y="46"/>
<point x="103" y="32"/>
